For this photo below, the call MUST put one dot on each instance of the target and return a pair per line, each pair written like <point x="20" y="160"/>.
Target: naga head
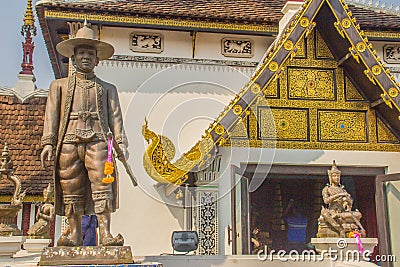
<point x="146" y="132"/>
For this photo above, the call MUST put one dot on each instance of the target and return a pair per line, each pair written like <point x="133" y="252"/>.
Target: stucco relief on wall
<point x="237" y="47"/>
<point x="391" y="54"/>
<point x="146" y="42"/>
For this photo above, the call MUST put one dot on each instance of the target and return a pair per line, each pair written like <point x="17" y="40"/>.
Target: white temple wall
<point x="178" y="44"/>
<point x="235" y="156"/>
<point x="179" y="101"/>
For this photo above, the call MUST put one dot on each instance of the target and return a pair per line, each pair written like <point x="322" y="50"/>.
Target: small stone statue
<point x="8" y="212"/>
<point x="338" y="219"/>
<point x="44" y="216"/>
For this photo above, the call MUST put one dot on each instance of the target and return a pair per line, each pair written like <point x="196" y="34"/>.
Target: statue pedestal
<point x="344" y="248"/>
<point x="8" y="213"/>
<point x="10" y="245"/>
<point x="36" y="245"/>
<point x="86" y="255"/>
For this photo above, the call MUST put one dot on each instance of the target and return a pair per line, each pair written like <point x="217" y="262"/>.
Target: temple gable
<point x="313" y="104"/>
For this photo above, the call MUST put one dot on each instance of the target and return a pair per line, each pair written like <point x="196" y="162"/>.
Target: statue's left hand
<point x="46" y="154"/>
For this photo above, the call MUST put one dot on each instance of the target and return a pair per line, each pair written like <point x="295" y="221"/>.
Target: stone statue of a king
<point x="82" y="115"/>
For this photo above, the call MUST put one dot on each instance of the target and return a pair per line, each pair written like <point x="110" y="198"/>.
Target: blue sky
<point x="11" y="15"/>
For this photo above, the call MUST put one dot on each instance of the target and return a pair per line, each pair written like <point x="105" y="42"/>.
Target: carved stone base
<point x="10" y="245"/>
<point x="343" y="244"/>
<point x="324" y="231"/>
<point x="36" y="245"/>
<point x="85" y="255"/>
<point x="8" y="213"/>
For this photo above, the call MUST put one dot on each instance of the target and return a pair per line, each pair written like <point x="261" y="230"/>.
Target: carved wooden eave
<point x="351" y="50"/>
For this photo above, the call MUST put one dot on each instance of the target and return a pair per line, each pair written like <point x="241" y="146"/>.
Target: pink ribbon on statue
<point x="110" y="141"/>
<point x="359" y="243"/>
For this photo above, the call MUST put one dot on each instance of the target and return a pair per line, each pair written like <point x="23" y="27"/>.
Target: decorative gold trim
<point x="304" y="22"/>
<point x="369" y="72"/>
<point x="255" y="88"/>
<point x="273" y="66"/>
<point x="27" y="199"/>
<point x="387" y="35"/>
<point x="346" y="23"/>
<point x="361" y="47"/>
<point x="219" y="129"/>
<point x="393" y="92"/>
<point x="376" y="70"/>
<point x="288" y="45"/>
<point x="158" y="21"/>
<point x="313" y="145"/>
<point x="386" y="99"/>
<point x="237" y="110"/>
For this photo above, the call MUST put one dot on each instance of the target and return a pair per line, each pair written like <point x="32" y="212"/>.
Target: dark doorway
<point x="304" y="185"/>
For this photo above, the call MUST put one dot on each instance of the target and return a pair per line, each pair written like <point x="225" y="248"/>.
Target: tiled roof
<point x="267" y="12"/>
<point x="22" y="127"/>
<point x="259" y="12"/>
<point x="375" y="19"/>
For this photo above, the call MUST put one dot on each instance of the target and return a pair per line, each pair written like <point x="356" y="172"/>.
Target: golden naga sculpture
<point x="156" y="159"/>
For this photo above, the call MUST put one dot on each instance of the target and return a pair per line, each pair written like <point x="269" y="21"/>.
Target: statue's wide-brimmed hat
<point x="85" y="36"/>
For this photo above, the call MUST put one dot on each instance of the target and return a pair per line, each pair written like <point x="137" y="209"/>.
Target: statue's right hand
<point x="46" y="154"/>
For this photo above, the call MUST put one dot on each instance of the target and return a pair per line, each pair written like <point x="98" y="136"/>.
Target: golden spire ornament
<point x="29" y="19"/>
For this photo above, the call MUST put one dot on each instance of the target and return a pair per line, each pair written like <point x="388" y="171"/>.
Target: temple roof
<point x="241" y="16"/>
<point x="240" y="11"/>
<point x="265" y="12"/>
<point x="22" y="127"/>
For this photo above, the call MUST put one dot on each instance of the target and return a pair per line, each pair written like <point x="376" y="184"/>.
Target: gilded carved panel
<point x="352" y="93"/>
<point x="313" y="105"/>
<point x="322" y="51"/>
<point x="342" y="126"/>
<point x="271" y="91"/>
<point x="308" y="83"/>
<point x="283" y="124"/>
<point x="301" y="49"/>
<point x="385" y="135"/>
<point x="239" y="130"/>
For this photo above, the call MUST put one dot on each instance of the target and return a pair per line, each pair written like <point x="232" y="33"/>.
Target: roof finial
<point x="28" y="30"/>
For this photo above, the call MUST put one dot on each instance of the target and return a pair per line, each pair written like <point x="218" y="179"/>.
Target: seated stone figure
<point x="44" y="216"/>
<point x="338" y="219"/>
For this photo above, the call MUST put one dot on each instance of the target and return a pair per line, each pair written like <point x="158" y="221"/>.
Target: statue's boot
<point x="74" y="238"/>
<point x="106" y="238"/>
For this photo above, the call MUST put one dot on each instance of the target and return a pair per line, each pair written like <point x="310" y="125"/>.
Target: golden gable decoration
<point x="356" y="55"/>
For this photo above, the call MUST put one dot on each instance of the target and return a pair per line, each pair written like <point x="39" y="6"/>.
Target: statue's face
<point x="85" y="58"/>
<point x="45" y="194"/>
<point x="335" y="178"/>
